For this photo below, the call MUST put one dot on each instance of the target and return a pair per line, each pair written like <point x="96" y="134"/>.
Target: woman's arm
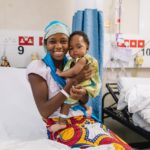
<point x="39" y="87"/>
<point x="40" y="92"/>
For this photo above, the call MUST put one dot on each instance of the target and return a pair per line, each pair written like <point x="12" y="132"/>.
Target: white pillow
<point x="19" y="117"/>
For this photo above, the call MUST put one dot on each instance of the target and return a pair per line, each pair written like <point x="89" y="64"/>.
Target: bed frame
<point x="123" y="116"/>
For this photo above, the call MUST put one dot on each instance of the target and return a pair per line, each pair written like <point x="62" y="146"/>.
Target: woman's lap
<point x="85" y="132"/>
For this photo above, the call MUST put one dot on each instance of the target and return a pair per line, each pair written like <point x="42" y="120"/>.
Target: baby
<point x="78" y="48"/>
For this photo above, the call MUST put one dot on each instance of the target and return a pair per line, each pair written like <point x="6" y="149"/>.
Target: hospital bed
<point x="130" y="106"/>
<point x="21" y="127"/>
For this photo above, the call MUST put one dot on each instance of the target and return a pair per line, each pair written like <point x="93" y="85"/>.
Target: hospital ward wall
<point x="32" y="15"/>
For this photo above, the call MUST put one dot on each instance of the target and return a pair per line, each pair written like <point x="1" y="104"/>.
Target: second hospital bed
<point x="131" y="106"/>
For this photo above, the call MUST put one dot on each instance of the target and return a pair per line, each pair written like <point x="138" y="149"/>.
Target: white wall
<point x="29" y="18"/>
<point x="144" y="21"/>
<point x="33" y="14"/>
<point x="129" y="16"/>
<point x="25" y="15"/>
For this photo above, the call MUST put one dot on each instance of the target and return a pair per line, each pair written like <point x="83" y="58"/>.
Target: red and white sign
<point x="132" y="43"/>
<point x="26" y="40"/>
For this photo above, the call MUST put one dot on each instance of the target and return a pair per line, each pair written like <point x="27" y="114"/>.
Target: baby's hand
<point x="58" y="72"/>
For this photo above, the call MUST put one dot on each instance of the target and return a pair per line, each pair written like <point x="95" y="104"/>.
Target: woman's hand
<point x="79" y="93"/>
<point x="85" y="74"/>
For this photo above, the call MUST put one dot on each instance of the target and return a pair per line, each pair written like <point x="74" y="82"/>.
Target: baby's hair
<point x="80" y="33"/>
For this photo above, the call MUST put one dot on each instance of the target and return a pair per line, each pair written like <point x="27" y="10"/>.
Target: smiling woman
<point x="80" y="131"/>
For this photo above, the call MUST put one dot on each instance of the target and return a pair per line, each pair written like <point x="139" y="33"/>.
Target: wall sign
<point x="19" y="46"/>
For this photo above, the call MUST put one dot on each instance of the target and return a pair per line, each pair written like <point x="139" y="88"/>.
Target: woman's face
<point x="57" y="45"/>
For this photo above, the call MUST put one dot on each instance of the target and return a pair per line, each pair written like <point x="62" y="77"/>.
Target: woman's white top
<point x="39" y="67"/>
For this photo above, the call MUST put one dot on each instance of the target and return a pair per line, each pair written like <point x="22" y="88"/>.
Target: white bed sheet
<point x="44" y="144"/>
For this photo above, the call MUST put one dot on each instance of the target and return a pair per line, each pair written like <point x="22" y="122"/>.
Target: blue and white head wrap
<point x="53" y="28"/>
<point x="56" y="27"/>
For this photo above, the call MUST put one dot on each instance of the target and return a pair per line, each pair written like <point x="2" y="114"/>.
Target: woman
<point x="50" y="91"/>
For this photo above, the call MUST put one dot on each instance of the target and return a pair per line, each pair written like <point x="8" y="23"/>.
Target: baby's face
<point x="77" y="47"/>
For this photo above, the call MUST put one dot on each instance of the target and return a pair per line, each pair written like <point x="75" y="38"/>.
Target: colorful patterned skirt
<point x="85" y="132"/>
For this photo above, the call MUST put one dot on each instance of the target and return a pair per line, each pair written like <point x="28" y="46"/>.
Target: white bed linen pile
<point x="135" y="93"/>
<point x="21" y="127"/>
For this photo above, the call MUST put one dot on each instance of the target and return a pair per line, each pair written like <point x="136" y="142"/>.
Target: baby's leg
<point x="62" y="120"/>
